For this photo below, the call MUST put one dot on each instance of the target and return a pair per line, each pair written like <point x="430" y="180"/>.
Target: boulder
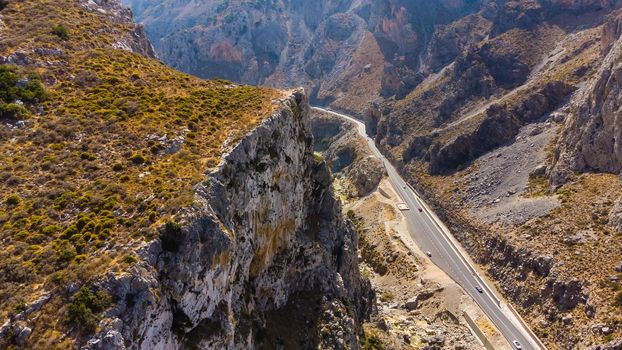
<point x="412" y="304"/>
<point x="615" y="218"/>
<point x="22" y="336"/>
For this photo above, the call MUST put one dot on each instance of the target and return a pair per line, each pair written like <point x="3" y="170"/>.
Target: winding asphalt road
<point x="432" y="236"/>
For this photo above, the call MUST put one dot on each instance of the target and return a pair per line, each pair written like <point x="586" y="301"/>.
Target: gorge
<point x="150" y="199"/>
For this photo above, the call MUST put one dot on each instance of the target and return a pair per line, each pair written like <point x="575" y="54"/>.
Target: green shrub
<point x="86" y="304"/>
<point x="8" y="81"/>
<point x="87" y="156"/>
<point x="80" y="258"/>
<point x="12" y="89"/>
<point x="12" y="111"/>
<point x="129" y="259"/>
<point x="137" y="158"/>
<point x="60" y="31"/>
<point x="317" y="157"/>
<point x="22" y="235"/>
<point x="32" y="90"/>
<point x="171" y="236"/>
<point x="117" y="167"/>
<point x="372" y="342"/>
<point x="66" y="252"/>
<point x="351" y="215"/>
<point x="155" y="149"/>
<point x="50" y="229"/>
<point x="69" y="231"/>
<point x="13" y="200"/>
<point x="387" y="297"/>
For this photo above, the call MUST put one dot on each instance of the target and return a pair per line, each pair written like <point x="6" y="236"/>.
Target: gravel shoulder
<point x="416" y="300"/>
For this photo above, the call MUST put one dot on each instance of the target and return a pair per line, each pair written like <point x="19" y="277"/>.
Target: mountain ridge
<point x="146" y="208"/>
<point x="502" y="112"/>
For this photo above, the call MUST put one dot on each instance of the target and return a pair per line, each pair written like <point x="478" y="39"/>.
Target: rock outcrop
<point x="347" y="153"/>
<point x="265" y="237"/>
<point x="592" y="137"/>
<point x="134" y="40"/>
<point x="342" y="51"/>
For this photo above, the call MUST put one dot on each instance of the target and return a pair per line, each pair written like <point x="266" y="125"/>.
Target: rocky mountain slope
<point x="145" y="208"/>
<point x="344" y="52"/>
<point x="503" y="164"/>
<point x="591" y="138"/>
<point x="418" y="306"/>
<point x="503" y="112"/>
<point x="506" y="172"/>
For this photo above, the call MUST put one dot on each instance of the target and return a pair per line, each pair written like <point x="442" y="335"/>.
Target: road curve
<point x="431" y="235"/>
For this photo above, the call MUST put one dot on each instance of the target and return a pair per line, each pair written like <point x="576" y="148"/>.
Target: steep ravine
<point x="266" y="236"/>
<point x="567" y="310"/>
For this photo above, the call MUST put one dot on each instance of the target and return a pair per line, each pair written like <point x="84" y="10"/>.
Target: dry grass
<point x="585" y="208"/>
<point x="586" y="204"/>
<point x="113" y="153"/>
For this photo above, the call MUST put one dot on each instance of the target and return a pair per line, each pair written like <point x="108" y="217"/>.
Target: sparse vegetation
<point x="12" y="200"/>
<point x="538" y="186"/>
<point x="138" y="159"/>
<point x="130" y="259"/>
<point x="88" y="156"/>
<point x="60" y="31"/>
<point x="87" y="173"/>
<point x="372" y="342"/>
<point x="318" y="157"/>
<point x="387" y="297"/>
<point x="118" y="167"/>
<point x="85" y="306"/>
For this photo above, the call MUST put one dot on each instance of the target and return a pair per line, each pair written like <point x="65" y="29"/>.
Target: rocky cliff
<point x="144" y="208"/>
<point x="347" y="154"/>
<point x="344" y="52"/>
<point x="482" y="105"/>
<point x="264" y="249"/>
<point x="591" y="140"/>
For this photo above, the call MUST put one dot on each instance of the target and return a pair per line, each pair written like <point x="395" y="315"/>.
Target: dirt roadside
<point x="419" y="306"/>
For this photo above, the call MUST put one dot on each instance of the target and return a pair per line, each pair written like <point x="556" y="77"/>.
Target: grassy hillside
<point x="98" y="147"/>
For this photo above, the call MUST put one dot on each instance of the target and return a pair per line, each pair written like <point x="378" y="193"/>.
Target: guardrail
<point x="456" y="247"/>
<point x="478" y="332"/>
<point x="451" y="239"/>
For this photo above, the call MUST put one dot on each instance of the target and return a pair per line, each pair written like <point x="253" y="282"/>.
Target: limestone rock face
<point x="615" y="216"/>
<point x="366" y="174"/>
<point x="346" y="153"/>
<point x="265" y="248"/>
<point x="592" y="137"/>
<point x="336" y="48"/>
<point x="135" y="40"/>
